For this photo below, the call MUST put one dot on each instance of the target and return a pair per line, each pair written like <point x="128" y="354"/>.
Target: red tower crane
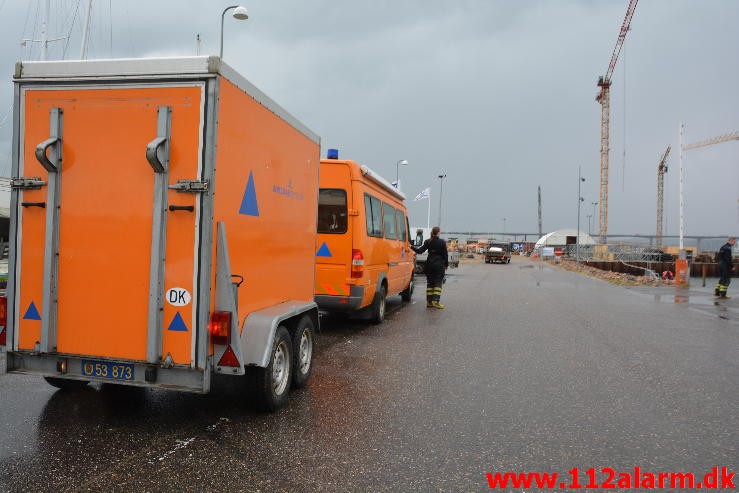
<point x="604" y="98"/>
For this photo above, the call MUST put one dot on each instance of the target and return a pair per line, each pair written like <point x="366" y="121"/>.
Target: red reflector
<point x="3" y="311"/>
<point x="3" y="337"/>
<point x="229" y="358"/>
<point x="220" y="327"/>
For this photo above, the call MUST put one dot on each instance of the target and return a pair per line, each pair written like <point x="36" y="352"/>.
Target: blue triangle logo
<point x="32" y="313"/>
<point x="177" y="325"/>
<point x="324" y="251"/>
<point x="249" y="205"/>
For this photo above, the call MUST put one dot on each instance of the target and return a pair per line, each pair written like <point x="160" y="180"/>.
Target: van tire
<point x="64" y="384"/>
<point x="378" y="307"/>
<point x="407" y="294"/>
<point x="270" y="386"/>
<point x="302" y="352"/>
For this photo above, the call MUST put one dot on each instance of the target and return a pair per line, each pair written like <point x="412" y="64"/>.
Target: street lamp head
<point x="403" y="162"/>
<point x="442" y="177"/>
<point x="582" y="179"/>
<point x="240" y="13"/>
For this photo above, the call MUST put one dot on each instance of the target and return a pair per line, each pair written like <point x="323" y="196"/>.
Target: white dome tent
<point x="563" y="237"/>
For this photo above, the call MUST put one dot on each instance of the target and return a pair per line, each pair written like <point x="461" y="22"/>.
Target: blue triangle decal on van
<point x="324" y="251"/>
<point x="32" y="313"/>
<point x="249" y="205"/>
<point x="177" y="325"/>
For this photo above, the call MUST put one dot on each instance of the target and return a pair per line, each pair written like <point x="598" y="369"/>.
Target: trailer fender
<point x="258" y="333"/>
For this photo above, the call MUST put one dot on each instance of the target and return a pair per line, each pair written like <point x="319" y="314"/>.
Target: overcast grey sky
<point x="498" y="95"/>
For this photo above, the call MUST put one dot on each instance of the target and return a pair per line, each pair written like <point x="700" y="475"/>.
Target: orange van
<point x="362" y="250"/>
<point x="145" y="198"/>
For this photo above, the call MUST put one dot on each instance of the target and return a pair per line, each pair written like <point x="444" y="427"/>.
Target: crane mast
<point x="661" y="170"/>
<point x="604" y="98"/>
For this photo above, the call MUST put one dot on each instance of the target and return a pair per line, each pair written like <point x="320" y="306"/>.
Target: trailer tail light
<point x="3" y="320"/>
<point x="357" y="264"/>
<point x="220" y="327"/>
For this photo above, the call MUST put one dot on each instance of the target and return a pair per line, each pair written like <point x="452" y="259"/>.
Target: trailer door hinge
<point x="190" y="186"/>
<point x="27" y="183"/>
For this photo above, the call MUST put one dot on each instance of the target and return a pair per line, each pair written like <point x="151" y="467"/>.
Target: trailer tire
<point x="378" y="307"/>
<point x="64" y="384"/>
<point x="302" y="352"/>
<point x="407" y="294"/>
<point x="270" y="386"/>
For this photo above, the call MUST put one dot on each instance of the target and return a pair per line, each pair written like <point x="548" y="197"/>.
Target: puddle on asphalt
<point x="703" y="302"/>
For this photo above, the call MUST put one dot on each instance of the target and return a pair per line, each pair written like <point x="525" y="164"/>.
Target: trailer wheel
<point x="64" y="384"/>
<point x="407" y="293"/>
<point x="378" y="307"/>
<point x="270" y="386"/>
<point x="302" y="352"/>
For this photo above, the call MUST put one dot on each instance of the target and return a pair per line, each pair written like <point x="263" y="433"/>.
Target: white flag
<point x="425" y="194"/>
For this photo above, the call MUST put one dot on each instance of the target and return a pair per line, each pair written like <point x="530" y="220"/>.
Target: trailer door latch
<point x="190" y="186"/>
<point x="27" y="183"/>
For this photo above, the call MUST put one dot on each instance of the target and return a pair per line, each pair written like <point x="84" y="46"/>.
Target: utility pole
<point x="441" y="195"/>
<point x="540" y="231"/>
<point x="580" y="179"/>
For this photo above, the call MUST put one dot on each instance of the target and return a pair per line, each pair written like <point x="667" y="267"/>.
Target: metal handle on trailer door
<point x="51" y="163"/>
<point x="41" y="149"/>
<point x="157" y="154"/>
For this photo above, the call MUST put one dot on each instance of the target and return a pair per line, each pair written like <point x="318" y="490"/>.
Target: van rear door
<point x="334" y="240"/>
<point x="91" y="242"/>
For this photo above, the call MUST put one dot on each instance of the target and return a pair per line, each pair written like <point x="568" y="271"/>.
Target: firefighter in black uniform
<point x="724" y="260"/>
<point x="436" y="264"/>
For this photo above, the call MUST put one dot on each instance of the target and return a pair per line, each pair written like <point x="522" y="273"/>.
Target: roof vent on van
<point x="332" y="154"/>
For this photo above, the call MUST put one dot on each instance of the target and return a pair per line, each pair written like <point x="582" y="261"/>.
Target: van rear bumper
<point x="180" y="378"/>
<point x="331" y="303"/>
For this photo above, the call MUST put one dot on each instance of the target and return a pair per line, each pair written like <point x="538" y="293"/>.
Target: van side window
<point x="373" y="213"/>
<point x="388" y="212"/>
<point x="332" y="211"/>
<point x="400" y="220"/>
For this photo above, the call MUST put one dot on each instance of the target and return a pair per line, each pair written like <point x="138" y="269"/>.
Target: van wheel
<point x="271" y="385"/>
<point x="64" y="384"/>
<point x="407" y="293"/>
<point x="378" y="307"/>
<point x="302" y="352"/>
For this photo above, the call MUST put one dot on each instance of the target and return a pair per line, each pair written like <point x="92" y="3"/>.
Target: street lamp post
<point x="580" y="200"/>
<point x="504" y="228"/>
<point x="240" y="13"/>
<point x="594" y="204"/>
<point x="589" y="216"/>
<point x="441" y="194"/>
<point x="397" y="175"/>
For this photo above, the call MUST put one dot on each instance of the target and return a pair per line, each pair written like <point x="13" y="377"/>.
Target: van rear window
<point x="389" y="215"/>
<point x="373" y="213"/>
<point x="332" y="211"/>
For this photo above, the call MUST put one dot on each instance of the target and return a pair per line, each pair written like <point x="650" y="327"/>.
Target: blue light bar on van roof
<point x="332" y="154"/>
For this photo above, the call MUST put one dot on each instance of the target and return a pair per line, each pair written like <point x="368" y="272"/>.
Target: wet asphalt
<point x="529" y="368"/>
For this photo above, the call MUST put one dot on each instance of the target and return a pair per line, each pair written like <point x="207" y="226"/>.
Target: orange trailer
<point x="363" y="250"/>
<point x="149" y="206"/>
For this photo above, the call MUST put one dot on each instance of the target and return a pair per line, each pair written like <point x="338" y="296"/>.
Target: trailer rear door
<point x="103" y="288"/>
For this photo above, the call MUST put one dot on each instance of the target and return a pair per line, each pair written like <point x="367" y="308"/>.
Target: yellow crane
<point x="661" y="170"/>
<point x="604" y="98"/>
